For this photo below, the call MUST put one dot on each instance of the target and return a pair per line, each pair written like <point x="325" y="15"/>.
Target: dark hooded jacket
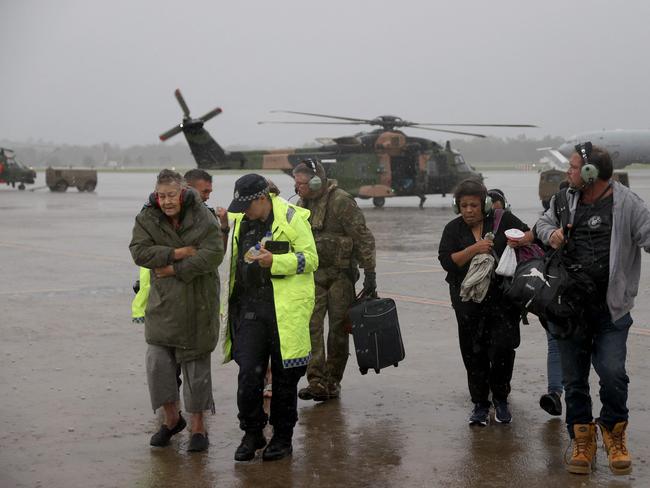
<point x="182" y="310"/>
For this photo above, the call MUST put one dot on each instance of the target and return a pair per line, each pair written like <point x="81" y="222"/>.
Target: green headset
<point x="589" y="171"/>
<point x="316" y="182"/>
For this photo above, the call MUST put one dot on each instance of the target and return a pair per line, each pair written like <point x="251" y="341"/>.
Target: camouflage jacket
<point x="339" y="227"/>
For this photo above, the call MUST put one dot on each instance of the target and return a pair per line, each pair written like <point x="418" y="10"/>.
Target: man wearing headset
<point x="344" y="243"/>
<point x="608" y="224"/>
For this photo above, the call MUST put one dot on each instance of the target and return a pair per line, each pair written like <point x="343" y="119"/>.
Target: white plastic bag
<point x="507" y="263"/>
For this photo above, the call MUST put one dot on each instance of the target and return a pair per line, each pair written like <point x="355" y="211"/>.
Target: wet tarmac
<point x="74" y="410"/>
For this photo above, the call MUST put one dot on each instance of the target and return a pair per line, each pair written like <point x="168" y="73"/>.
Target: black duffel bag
<point x="550" y="290"/>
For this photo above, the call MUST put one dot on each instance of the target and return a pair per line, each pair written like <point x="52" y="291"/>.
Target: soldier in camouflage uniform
<point x="344" y="243"/>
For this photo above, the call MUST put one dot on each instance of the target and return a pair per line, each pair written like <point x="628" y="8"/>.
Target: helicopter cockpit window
<point x="461" y="165"/>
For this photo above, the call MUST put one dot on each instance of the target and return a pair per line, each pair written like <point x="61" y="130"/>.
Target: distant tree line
<point x="38" y="154"/>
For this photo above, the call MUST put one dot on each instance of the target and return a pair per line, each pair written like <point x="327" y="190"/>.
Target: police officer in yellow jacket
<point x="271" y="298"/>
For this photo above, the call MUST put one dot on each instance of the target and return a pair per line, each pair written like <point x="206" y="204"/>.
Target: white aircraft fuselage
<point x="626" y="146"/>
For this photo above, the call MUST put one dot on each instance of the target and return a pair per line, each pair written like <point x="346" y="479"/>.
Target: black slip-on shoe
<point x="198" y="442"/>
<point x="164" y="434"/>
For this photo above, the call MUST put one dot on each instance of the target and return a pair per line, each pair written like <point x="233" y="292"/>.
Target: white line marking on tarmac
<point x="447" y="304"/>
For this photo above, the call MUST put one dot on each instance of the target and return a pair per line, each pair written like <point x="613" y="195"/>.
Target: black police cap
<point x="248" y="188"/>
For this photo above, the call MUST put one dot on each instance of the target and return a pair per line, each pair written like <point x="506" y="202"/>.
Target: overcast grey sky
<point x="84" y="71"/>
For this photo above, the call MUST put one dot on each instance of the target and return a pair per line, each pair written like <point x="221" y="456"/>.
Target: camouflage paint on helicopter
<point x="13" y="171"/>
<point x="379" y="164"/>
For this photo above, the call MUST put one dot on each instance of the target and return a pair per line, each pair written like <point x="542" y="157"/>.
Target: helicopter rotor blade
<point x="210" y="114"/>
<point x="450" y="131"/>
<point x="309" y="123"/>
<point x="474" y="125"/>
<point x="171" y="132"/>
<point x="181" y="102"/>
<point x="352" y="119"/>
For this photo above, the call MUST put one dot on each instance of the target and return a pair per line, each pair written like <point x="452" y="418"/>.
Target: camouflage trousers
<point x="334" y="294"/>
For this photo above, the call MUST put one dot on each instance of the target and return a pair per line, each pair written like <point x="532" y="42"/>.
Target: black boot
<point x="251" y="442"/>
<point x="279" y="446"/>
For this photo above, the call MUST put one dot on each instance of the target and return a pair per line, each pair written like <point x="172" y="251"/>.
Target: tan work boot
<point x="584" y="449"/>
<point x="620" y="461"/>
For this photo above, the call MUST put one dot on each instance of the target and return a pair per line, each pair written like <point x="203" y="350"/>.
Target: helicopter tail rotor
<point x="181" y="102"/>
<point x="210" y="114"/>
<point x="171" y="132"/>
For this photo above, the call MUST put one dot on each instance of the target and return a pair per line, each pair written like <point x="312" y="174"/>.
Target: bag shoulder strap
<point x="498" y="214"/>
<point x="562" y="212"/>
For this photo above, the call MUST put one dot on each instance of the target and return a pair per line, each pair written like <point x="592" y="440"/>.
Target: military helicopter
<point x="379" y="164"/>
<point x="13" y="171"/>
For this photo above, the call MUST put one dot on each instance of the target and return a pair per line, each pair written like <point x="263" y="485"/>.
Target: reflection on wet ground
<point x="75" y="411"/>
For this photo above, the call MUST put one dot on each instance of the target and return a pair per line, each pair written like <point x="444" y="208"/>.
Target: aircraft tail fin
<point x="556" y="159"/>
<point x="207" y="153"/>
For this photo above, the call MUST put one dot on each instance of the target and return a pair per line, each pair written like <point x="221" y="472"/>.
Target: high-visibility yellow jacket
<point x="293" y="291"/>
<point x="139" y="303"/>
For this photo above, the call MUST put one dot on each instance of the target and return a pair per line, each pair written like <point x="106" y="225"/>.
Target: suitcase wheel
<point x="363" y="370"/>
<point x="377" y="370"/>
<point x="395" y="364"/>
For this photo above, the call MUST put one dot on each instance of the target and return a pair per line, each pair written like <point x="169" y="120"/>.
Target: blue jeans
<point x="602" y="343"/>
<point x="553" y="365"/>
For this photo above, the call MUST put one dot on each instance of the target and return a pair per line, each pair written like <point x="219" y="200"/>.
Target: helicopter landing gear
<point x="378" y="201"/>
<point x="21" y="186"/>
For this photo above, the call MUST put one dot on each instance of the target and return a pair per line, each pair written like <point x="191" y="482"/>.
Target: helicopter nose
<point x="566" y="149"/>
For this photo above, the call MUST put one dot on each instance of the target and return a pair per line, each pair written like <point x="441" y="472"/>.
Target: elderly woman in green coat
<point x="177" y="238"/>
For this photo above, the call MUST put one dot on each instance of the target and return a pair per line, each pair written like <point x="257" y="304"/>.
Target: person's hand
<point x="369" y="283"/>
<point x="528" y="239"/>
<point x="556" y="240"/>
<point x="184" y="252"/>
<point x="484" y="246"/>
<point x="164" y="272"/>
<point x="222" y="215"/>
<point x="264" y="258"/>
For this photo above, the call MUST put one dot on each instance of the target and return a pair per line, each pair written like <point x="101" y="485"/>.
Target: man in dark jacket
<point x="178" y="239"/>
<point x="344" y="243"/>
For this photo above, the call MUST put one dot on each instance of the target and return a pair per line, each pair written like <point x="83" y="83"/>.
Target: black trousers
<point x="488" y="339"/>
<point x="255" y="339"/>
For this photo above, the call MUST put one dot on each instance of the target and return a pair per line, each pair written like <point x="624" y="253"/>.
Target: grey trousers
<point x="161" y="378"/>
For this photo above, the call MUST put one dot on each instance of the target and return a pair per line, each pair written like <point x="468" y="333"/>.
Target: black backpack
<point x="547" y="288"/>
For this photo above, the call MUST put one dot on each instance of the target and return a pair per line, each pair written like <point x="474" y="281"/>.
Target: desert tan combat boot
<point x="584" y="449"/>
<point x="620" y="461"/>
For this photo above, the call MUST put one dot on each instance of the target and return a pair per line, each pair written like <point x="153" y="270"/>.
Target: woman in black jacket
<point x="488" y="331"/>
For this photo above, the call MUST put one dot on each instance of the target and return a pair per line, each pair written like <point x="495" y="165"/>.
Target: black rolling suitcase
<point x="377" y="337"/>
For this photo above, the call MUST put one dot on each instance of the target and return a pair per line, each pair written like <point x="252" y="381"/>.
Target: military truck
<point x="59" y="179"/>
<point x="549" y="183"/>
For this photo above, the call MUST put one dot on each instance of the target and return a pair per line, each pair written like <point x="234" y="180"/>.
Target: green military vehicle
<point x="59" y="179"/>
<point x="550" y="180"/>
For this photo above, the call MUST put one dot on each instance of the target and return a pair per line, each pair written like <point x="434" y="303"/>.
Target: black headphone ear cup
<point x="153" y="200"/>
